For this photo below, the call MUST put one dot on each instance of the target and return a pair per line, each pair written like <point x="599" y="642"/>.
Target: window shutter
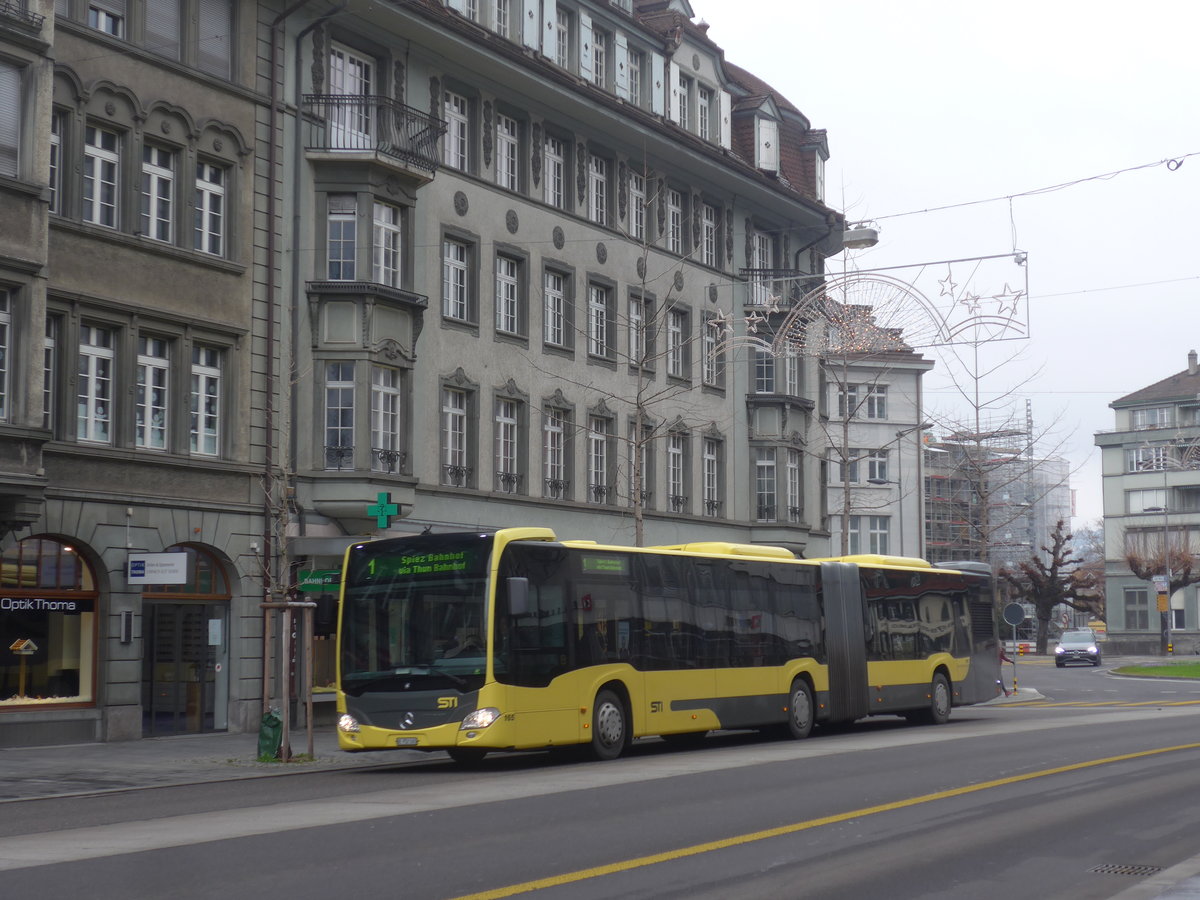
<point x="530" y="24"/>
<point x="585" y="45"/>
<point x="768" y="145"/>
<point x="10" y="119"/>
<point x="216" y="37"/>
<point x="163" y="27"/>
<point x="673" y="93"/>
<point x="550" y="28"/>
<point x="62" y="8"/>
<point x="658" y="95"/>
<point x="622" y="65"/>
<point x="725" y="116"/>
<point x="116" y="7"/>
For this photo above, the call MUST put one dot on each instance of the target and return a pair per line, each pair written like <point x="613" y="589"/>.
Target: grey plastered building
<point x="1150" y="465"/>
<point x="301" y="274"/>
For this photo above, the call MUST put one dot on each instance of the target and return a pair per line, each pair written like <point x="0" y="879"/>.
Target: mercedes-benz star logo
<point x="407" y="720"/>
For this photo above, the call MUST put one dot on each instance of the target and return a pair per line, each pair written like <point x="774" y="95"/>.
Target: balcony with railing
<point x="17" y="13"/>
<point x="373" y="126"/>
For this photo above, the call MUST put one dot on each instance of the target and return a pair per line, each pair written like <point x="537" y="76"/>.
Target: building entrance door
<point x="184" y="672"/>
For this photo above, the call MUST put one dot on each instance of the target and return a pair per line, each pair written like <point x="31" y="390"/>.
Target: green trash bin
<point x="270" y="734"/>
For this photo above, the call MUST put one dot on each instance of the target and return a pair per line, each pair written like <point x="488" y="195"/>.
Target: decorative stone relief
<point x="581" y="160"/>
<point x="622" y="190"/>
<point x="487" y="132"/>
<point x="535" y="154"/>
<point x="461" y="204"/>
<point x="511" y="222"/>
<point x="318" y="61"/>
<point x="559" y="238"/>
<point x="749" y="243"/>
<point x="678" y="279"/>
<point x="601" y="253"/>
<point x="435" y="97"/>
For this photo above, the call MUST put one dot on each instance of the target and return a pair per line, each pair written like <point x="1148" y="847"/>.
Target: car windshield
<point x="1078" y="637"/>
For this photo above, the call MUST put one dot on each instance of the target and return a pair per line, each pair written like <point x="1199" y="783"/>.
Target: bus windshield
<point x="415" y="610"/>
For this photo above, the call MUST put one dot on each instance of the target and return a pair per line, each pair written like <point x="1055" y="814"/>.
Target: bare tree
<point x="1049" y="580"/>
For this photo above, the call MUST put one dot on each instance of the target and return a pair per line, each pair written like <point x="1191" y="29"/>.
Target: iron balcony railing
<point x="15" y="11"/>
<point x="368" y="123"/>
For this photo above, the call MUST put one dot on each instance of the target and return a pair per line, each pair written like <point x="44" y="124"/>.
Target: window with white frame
<point x="456" y="141"/>
<point x="791" y="372"/>
<point x="764" y="370"/>
<point x="853" y="528"/>
<point x="107" y="16"/>
<point x="152" y="397"/>
<point x="386" y="398"/>
<point x="879" y="534"/>
<point x="562" y="37"/>
<point x="599" y="298"/>
<point x="470" y="9"/>
<point x="764" y="484"/>
<point x="1147" y="459"/>
<point x="554" y="453"/>
<point x="508" y="318"/>
<point x="387" y="239"/>
<point x="675" y="221"/>
<point x="677" y="343"/>
<point x="876" y="401"/>
<point x="763" y="258"/>
<point x="598" y="458"/>
<point x="598" y="190"/>
<point x="601" y="41"/>
<point x="94" y="384"/>
<point x="507" y="152"/>
<point x="56" y="158"/>
<point x="206" y="400"/>
<point x="210" y="209"/>
<point x="685" y="102"/>
<point x="508" y="478"/>
<point x="555" y="174"/>
<point x="637" y="331"/>
<point x="339" y="415"/>
<point x="714" y="364"/>
<point x="708" y="235"/>
<point x="677" y="471"/>
<point x="351" y="84"/>
<point x="101" y="176"/>
<point x="846" y="464"/>
<point x="455" y="266"/>
<point x="501" y="17"/>
<point x="848" y="401"/>
<point x="877" y="465"/>
<point x="636" y="67"/>
<point x="158" y="193"/>
<point x="49" y="374"/>
<point x="554" y="313"/>
<point x="711" y="453"/>
<point x="795" y="491"/>
<point x="637" y="206"/>
<point x="704" y="113"/>
<point x="454" y="437"/>
<point x="341" y="237"/>
<point x="1149" y="500"/>
<point x="1152" y="417"/>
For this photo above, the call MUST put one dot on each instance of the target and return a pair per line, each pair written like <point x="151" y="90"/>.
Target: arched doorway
<point x="185" y="666"/>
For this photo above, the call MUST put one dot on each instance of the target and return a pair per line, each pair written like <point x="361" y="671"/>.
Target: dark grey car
<point x="1077" y="646"/>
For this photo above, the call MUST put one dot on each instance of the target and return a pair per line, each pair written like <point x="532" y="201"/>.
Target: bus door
<point x="845" y="641"/>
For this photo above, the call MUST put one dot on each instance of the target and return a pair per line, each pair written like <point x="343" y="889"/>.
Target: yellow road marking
<point x="752" y="837"/>
<point x="1091" y="704"/>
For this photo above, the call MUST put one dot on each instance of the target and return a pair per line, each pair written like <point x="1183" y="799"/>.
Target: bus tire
<point x="800" y="710"/>
<point x="610" y="726"/>
<point x="466" y="756"/>
<point x="940" y="702"/>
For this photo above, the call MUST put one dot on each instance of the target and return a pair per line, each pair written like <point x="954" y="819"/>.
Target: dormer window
<point x="766" y="145"/>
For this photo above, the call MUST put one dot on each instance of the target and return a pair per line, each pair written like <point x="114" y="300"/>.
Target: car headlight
<point x="480" y="718"/>
<point x="1059" y="649"/>
<point x="1092" y="649"/>
<point x="347" y="724"/>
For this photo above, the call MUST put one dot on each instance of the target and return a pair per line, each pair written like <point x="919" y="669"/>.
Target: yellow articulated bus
<point x="515" y="640"/>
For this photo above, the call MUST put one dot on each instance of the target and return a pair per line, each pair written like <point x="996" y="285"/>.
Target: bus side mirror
<point x="518" y="596"/>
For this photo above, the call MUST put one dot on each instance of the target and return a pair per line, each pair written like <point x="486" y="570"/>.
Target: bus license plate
<point x="406" y="742"/>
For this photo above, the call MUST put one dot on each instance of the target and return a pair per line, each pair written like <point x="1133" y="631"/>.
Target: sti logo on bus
<point x="656" y="706"/>
<point x="447" y="702"/>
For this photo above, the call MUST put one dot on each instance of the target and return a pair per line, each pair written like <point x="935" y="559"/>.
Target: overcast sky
<point x="930" y="104"/>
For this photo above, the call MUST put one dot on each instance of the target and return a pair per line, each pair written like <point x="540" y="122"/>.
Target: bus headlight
<point x="347" y="724"/>
<point x="480" y="718"/>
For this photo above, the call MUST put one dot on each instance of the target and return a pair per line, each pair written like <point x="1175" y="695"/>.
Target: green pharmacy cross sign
<point x="384" y="510"/>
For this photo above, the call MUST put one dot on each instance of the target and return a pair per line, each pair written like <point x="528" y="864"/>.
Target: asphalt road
<point x="1083" y="794"/>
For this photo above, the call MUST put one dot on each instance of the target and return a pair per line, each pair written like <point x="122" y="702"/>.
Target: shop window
<point x="48" y="603"/>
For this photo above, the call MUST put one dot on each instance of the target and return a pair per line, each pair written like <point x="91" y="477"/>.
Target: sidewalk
<point x="28" y="773"/>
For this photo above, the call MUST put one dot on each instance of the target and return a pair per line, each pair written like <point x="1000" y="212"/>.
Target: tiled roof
<point x="1183" y="385"/>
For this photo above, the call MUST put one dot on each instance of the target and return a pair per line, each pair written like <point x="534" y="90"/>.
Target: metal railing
<point x="365" y="122"/>
<point x="456" y="476"/>
<point x="557" y="488"/>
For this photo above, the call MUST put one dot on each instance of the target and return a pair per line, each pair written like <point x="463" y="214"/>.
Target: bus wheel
<point x="800" y="710"/>
<point x="610" y="726"/>
<point x="938" y="710"/>
<point x="466" y="756"/>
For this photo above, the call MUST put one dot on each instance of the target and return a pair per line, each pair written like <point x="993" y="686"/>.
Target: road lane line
<point x="782" y="830"/>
